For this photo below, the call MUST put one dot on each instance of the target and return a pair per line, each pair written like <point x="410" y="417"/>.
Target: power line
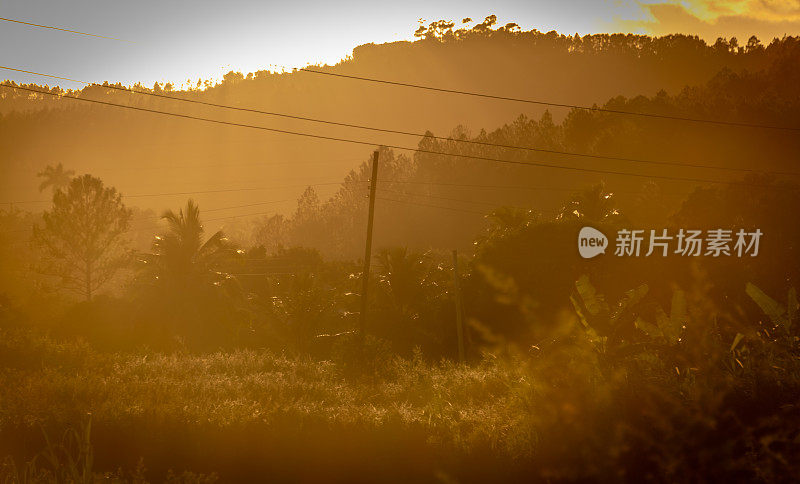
<point x="229" y="165"/>
<point x="240" y="216"/>
<point x="432" y="206"/>
<point x="154" y="226"/>
<point x="63" y="30"/>
<point x="384" y="181"/>
<point x="232" y="190"/>
<point x="486" y="203"/>
<point x="252" y="204"/>
<point x="275" y="258"/>
<point x="409" y="133"/>
<point x="199" y="192"/>
<point x="367" y="143"/>
<point x="490" y="205"/>
<point x="268" y="273"/>
<point x="158" y="219"/>
<point x="412" y="194"/>
<point x="437" y="197"/>
<point x="561" y="105"/>
<point x="477" y="94"/>
<point x="504" y="187"/>
<point x="225" y="208"/>
<point x="380" y="182"/>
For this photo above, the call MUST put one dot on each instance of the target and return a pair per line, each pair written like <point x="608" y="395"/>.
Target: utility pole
<point x="362" y="326"/>
<point x="459" y="315"/>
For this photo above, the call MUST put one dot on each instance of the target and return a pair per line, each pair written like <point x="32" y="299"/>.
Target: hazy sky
<point x="177" y="40"/>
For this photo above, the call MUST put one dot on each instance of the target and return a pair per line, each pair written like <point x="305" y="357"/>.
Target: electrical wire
<point x="227" y="190"/>
<point x="437" y="197"/>
<point x="419" y="135"/>
<point x="506" y="187"/>
<point x="431" y="206"/>
<point x="554" y="104"/>
<point x="477" y="94"/>
<point x="417" y="150"/>
<point x="61" y="29"/>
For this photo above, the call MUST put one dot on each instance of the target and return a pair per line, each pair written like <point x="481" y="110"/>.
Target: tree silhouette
<point x="505" y="222"/>
<point x="404" y="276"/>
<point x="181" y="255"/>
<point x="412" y="293"/>
<point x="595" y="204"/>
<point x="184" y="287"/>
<point x="54" y="177"/>
<point x="82" y="236"/>
<point x="307" y="226"/>
<point x="272" y="233"/>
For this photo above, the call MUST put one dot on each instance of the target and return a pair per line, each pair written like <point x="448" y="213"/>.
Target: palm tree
<point x="181" y="254"/>
<point x="191" y="296"/>
<point x="55" y="177"/>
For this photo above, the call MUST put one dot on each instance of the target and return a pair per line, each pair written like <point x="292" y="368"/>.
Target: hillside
<point x="148" y="154"/>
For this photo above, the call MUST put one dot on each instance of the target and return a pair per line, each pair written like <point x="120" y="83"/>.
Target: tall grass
<point x="564" y="411"/>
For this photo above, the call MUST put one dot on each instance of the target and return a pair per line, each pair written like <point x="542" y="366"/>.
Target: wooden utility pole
<point x="362" y="326"/>
<point x="459" y="315"/>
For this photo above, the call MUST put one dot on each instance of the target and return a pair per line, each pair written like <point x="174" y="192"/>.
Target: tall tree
<point x="183" y="287"/>
<point x="271" y="233"/>
<point x="308" y="228"/>
<point x="82" y="236"/>
<point x="55" y="177"/>
<point x="181" y="254"/>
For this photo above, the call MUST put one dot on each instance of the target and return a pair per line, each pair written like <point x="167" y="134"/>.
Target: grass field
<point x="252" y="414"/>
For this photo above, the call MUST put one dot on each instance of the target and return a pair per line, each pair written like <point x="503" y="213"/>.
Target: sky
<point x="179" y="40"/>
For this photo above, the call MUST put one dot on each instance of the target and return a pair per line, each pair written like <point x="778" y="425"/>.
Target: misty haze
<point x="475" y="251"/>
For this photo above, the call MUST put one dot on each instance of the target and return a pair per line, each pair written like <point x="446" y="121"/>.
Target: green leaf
<point x="595" y="303"/>
<point x="662" y="320"/>
<point x="579" y="311"/>
<point x="629" y="300"/>
<point x="773" y="309"/>
<point x="672" y="331"/>
<point x="736" y="341"/>
<point x="678" y="311"/>
<point x="649" y="329"/>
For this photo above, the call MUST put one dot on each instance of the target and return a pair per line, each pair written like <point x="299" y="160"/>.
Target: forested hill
<point x="505" y="61"/>
<point x="144" y="153"/>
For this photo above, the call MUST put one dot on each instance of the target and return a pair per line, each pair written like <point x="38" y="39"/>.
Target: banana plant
<point x="667" y="329"/>
<point x="595" y="313"/>
<point x="779" y="314"/>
